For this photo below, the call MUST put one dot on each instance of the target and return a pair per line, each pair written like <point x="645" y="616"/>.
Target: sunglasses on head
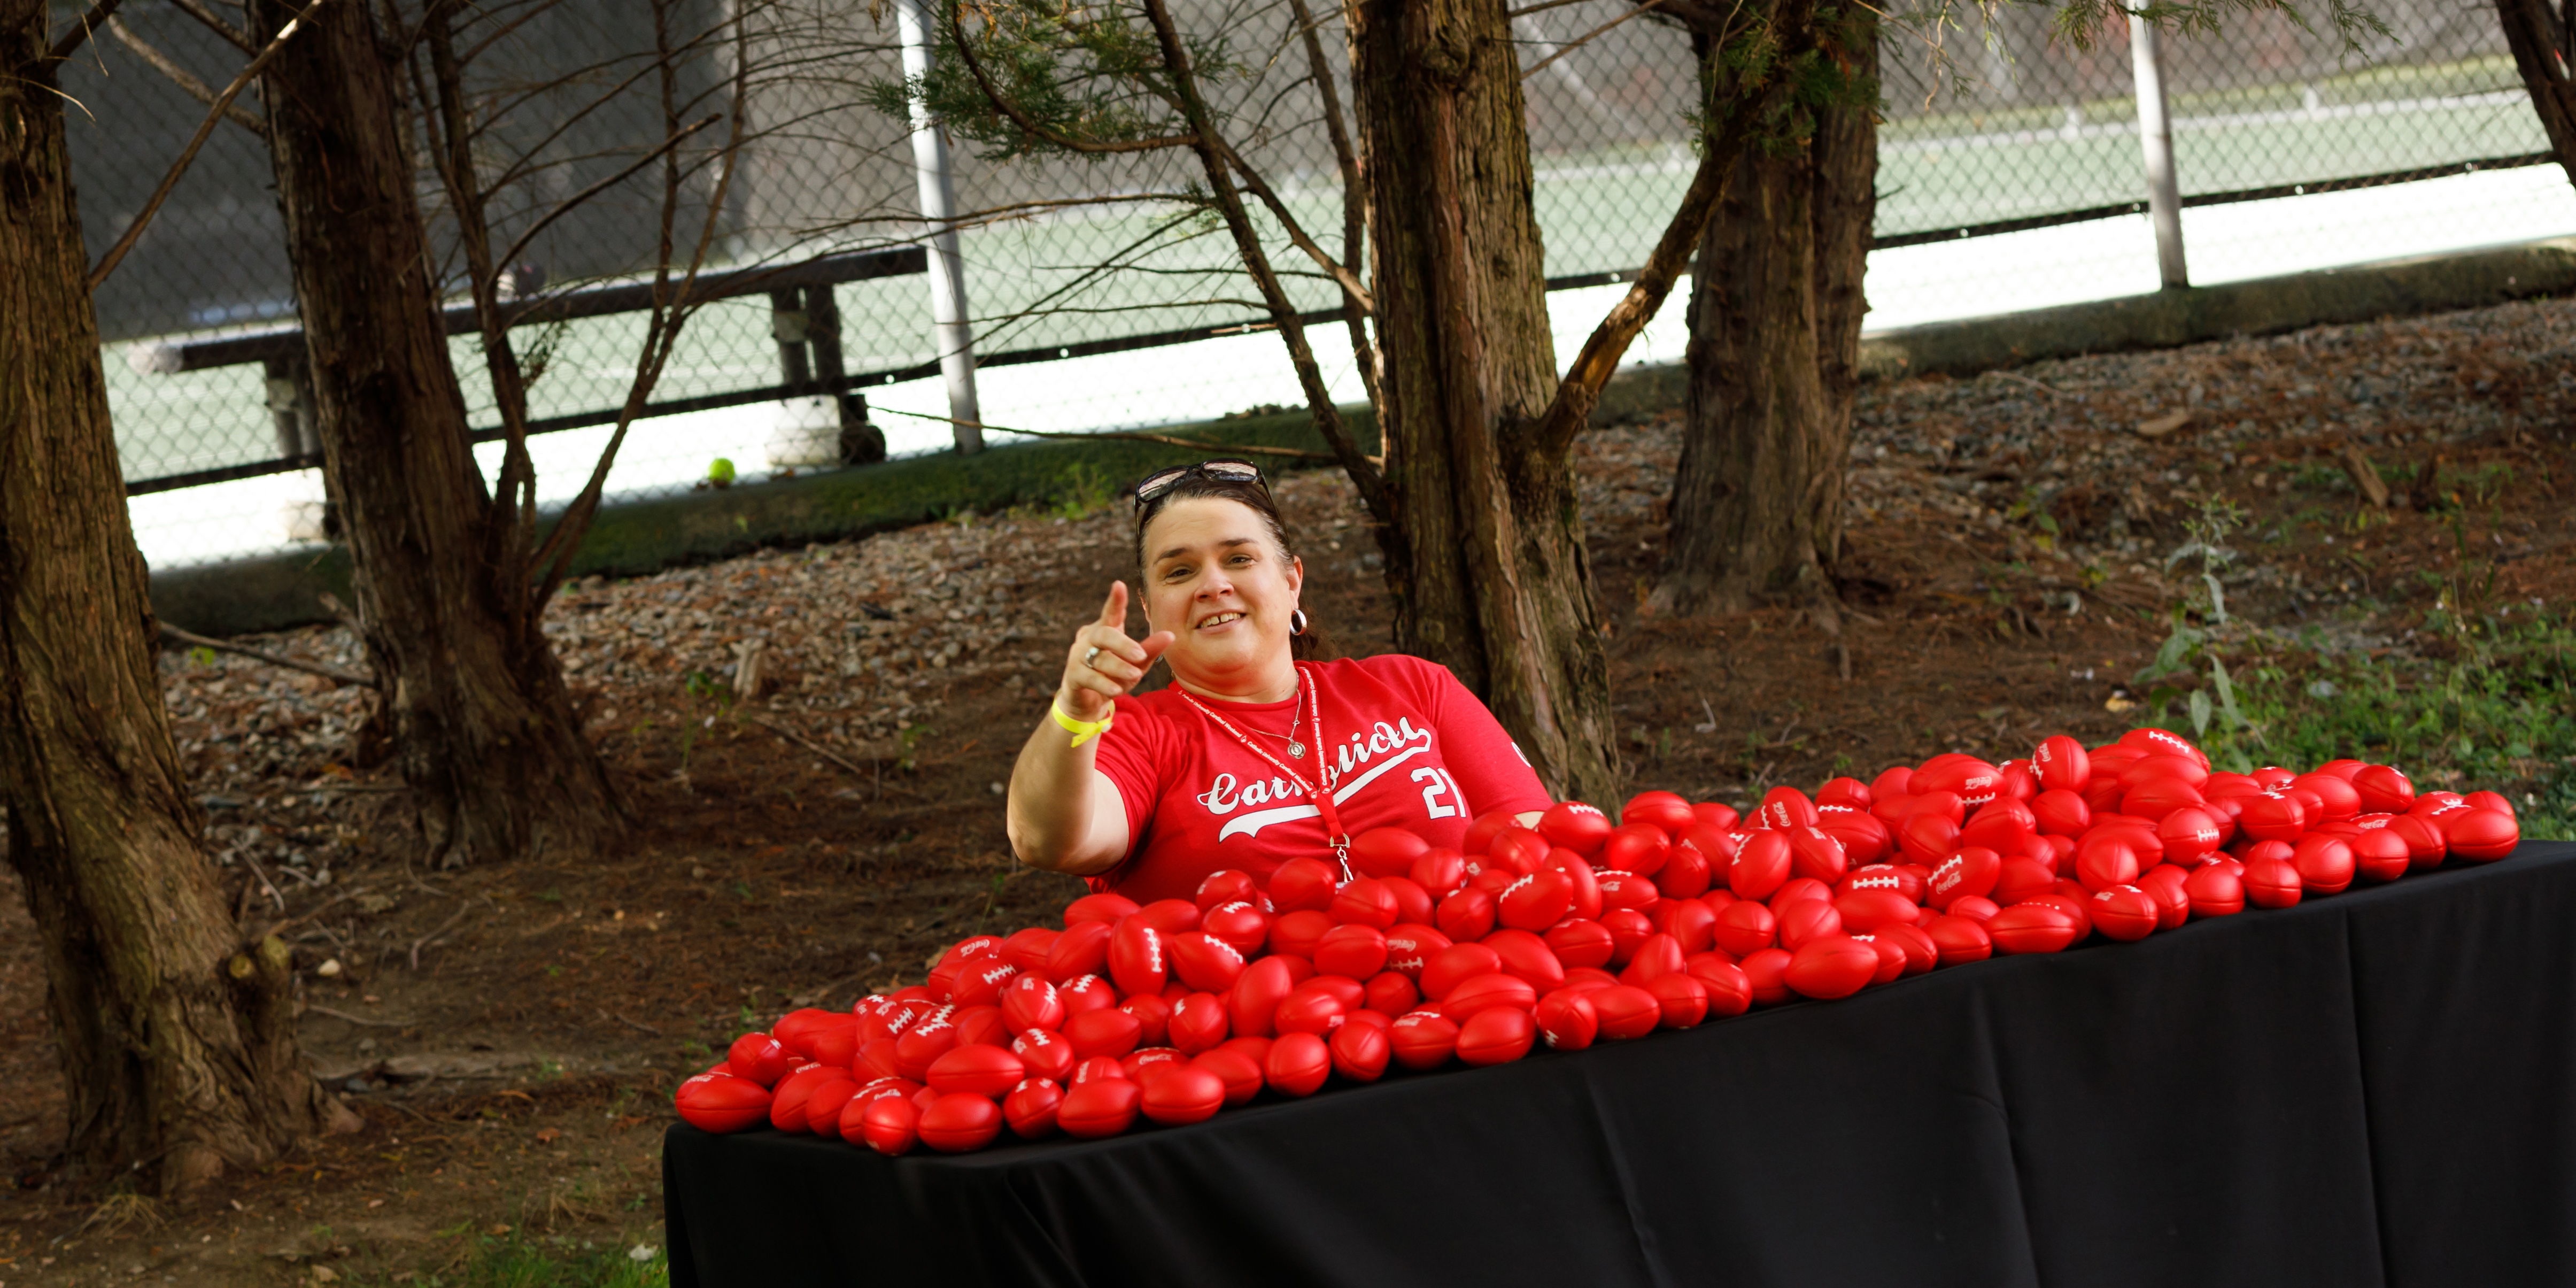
<point x="1223" y="471"/>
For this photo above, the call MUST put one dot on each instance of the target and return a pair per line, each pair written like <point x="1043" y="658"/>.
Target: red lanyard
<point x="1323" y="800"/>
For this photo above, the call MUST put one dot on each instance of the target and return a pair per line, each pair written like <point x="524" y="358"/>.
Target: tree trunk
<point x="483" y="727"/>
<point x="1775" y="315"/>
<point x="1491" y="577"/>
<point x="2537" y="33"/>
<point x="177" y="1047"/>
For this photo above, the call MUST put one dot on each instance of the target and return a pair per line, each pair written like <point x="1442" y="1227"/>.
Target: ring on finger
<point x="1091" y="657"/>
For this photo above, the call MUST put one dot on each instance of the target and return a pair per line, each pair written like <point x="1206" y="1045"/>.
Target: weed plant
<point x="519" y="1261"/>
<point x="2499" y="713"/>
<point x="2484" y="697"/>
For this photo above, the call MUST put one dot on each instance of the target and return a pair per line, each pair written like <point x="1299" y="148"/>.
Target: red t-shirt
<point x="1404" y="745"/>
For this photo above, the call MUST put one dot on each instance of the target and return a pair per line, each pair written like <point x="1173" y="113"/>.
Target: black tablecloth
<point x="2375" y="1088"/>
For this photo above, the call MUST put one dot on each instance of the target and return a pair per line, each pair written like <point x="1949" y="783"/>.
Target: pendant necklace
<point x="1334" y="836"/>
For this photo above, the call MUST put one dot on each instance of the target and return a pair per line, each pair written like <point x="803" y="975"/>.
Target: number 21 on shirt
<point x="1440" y="794"/>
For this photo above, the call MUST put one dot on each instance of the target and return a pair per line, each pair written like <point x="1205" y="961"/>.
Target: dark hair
<point x="1253" y="496"/>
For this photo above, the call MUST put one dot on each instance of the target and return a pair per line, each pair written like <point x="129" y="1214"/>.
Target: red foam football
<point x="1666" y="810"/>
<point x="1386" y="851"/>
<point x="1496" y="1035"/>
<point x="1310" y="1010"/>
<point x="1729" y="991"/>
<point x="1199" y="1023"/>
<point x="2271" y="882"/>
<point x="1577" y="942"/>
<point x="760" y="1058"/>
<point x="2061" y="764"/>
<point x="1581" y="828"/>
<point x="1365" y="902"/>
<point x="1746" y="927"/>
<point x="1240" y="1073"/>
<point x="987" y="1071"/>
<point x="2036" y="926"/>
<point x="1083" y="949"/>
<point x="722" y="1102"/>
<point x="1485" y="992"/>
<point x="1959" y="939"/>
<point x="1537" y="901"/>
<point x="1566" y="1019"/>
<point x="961" y="1121"/>
<point x="1351" y="949"/>
<point x="1108" y="908"/>
<point x="1682" y="998"/>
<point x="1297" y="1064"/>
<point x="1762" y="864"/>
<point x="1528" y="956"/>
<point x="1100" y="1107"/>
<point x="1864" y="911"/>
<point x="2124" y="913"/>
<point x="1831" y="966"/>
<point x="1641" y="848"/>
<point x="1205" y="962"/>
<point x="889" y="1124"/>
<point x="1360" y="1051"/>
<point x="2481" y="835"/>
<point x="2215" y="891"/>
<point x="2380" y="855"/>
<point x="2325" y="863"/>
<point x="1111" y="1032"/>
<point x="1422" y="1039"/>
<point x="1183" y="1094"/>
<point x="2383" y="790"/>
<point x="1031" y="1107"/>
<point x="1304" y="884"/>
<point x="1136" y="960"/>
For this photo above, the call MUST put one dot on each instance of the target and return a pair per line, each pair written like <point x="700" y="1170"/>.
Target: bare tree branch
<point x="514" y="491"/>
<point x="232" y="35"/>
<point x="134" y="232"/>
<point x="1588" y="37"/>
<point x="671" y="310"/>
<point x="564" y="207"/>
<point x="179" y="76"/>
<point x="1580" y="389"/>
<point x="195" y="640"/>
<point x="72" y="40"/>
<point x="1213" y="157"/>
<point x="1354" y="194"/>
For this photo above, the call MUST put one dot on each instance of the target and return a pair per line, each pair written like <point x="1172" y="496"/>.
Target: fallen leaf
<point x="2160" y="426"/>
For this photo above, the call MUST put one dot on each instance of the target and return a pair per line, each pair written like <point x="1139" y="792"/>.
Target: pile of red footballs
<point x="1573" y="932"/>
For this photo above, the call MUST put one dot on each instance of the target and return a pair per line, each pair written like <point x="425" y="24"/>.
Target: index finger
<point x="1113" y="611"/>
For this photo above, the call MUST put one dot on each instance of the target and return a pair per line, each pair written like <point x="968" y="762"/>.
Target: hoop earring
<point x="1297" y="621"/>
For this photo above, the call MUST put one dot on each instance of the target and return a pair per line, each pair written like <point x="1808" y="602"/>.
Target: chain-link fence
<point x="2010" y="177"/>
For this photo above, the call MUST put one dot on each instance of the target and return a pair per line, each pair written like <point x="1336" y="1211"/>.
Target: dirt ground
<point x="511" y="1033"/>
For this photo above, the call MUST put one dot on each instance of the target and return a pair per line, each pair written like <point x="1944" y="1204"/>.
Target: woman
<point x="1251" y="757"/>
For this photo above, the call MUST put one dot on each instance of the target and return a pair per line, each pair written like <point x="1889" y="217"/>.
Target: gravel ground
<point x="866" y="638"/>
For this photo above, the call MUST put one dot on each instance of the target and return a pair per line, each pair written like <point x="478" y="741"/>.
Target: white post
<point x="2155" y="135"/>
<point x="955" y="336"/>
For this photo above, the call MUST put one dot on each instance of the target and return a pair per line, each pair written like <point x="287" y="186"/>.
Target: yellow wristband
<point x="1082" y="730"/>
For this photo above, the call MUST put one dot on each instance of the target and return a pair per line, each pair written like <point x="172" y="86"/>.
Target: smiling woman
<point x="1253" y="756"/>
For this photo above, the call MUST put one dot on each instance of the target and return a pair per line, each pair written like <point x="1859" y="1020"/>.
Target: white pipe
<point x="938" y="190"/>
<point x="2155" y="136"/>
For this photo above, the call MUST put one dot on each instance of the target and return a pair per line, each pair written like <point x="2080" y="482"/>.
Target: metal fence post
<point x="2155" y="135"/>
<point x="938" y="191"/>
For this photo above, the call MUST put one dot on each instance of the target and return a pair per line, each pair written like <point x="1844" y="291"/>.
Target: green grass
<point x="520" y="1261"/>
<point x="2496" y="710"/>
